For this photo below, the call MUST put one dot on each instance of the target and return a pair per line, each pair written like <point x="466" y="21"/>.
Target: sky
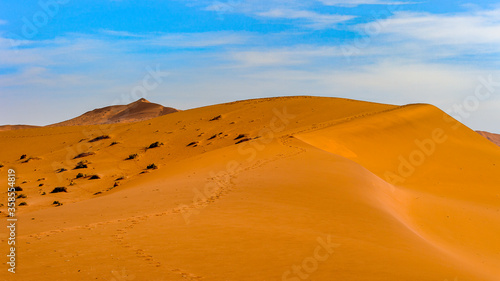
<point x="61" y="58"/>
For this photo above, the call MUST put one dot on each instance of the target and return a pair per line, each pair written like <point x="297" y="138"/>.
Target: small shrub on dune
<point x="1" y="165"/>
<point x="23" y="204"/>
<point x="85" y="154"/>
<point x="218" y="117"/>
<point x="132" y="156"/>
<point x="23" y="157"/>
<point x="103" y="137"/>
<point x="59" y="189"/>
<point x="243" y="140"/>
<point x="94" y="177"/>
<point x="193" y="144"/>
<point x="22" y="196"/>
<point x="155" y="144"/>
<point x="113" y="143"/>
<point x="57" y="203"/>
<point x="61" y="170"/>
<point x="152" y="167"/>
<point x="80" y="175"/>
<point x="31" y="158"/>
<point x="18" y="188"/>
<point x="240" y="136"/>
<point x="81" y="165"/>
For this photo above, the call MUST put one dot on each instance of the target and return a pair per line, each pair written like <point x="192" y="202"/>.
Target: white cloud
<point x="3" y="22"/>
<point x="312" y="19"/>
<point x="459" y="29"/>
<point x="285" y="56"/>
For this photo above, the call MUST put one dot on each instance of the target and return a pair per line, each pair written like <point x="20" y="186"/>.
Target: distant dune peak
<point x="143" y="100"/>
<point x="495" y="138"/>
<point x="140" y="110"/>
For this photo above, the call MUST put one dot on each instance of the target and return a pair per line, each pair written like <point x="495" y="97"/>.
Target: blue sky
<point x="60" y="58"/>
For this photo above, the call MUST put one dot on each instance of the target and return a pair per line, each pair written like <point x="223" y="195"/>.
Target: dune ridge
<point x="249" y="190"/>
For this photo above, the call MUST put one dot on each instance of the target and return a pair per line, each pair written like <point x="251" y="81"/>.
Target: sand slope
<point x="298" y="188"/>
<point x="495" y="138"/>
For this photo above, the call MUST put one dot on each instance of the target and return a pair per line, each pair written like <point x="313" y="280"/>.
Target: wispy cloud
<point x="118" y="33"/>
<point x="200" y="40"/>
<point x="311" y="19"/>
<point x="296" y="12"/>
<point x="354" y="3"/>
<point x="3" y="22"/>
<point x="482" y="27"/>
<point x="286" y="56"/>
<point x="181" y="40"/>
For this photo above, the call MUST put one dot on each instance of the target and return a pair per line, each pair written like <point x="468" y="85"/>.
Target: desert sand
<point x="295" y="188"/>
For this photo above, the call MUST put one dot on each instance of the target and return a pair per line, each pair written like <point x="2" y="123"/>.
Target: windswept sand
<point x="316" y="189"/>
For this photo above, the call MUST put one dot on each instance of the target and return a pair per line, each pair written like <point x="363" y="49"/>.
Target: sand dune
<point x="296" y="188"/>
<point x="16" y="127"/>
<point x="139" y="110"/>
<point x="495" y="138"/>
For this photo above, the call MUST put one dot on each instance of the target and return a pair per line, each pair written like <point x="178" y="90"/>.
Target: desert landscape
<point x="286" y="188"/>
<point x="243" y="140"/>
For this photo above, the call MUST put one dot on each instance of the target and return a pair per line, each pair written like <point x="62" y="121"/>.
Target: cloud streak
<point x="311" y="19"/>
<point x="354" y="3"/>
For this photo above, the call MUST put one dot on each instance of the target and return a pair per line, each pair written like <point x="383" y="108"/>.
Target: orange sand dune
<point x="296" y="188"/>
<point x="137" y="111"/>
<point x="495" y="138"/>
